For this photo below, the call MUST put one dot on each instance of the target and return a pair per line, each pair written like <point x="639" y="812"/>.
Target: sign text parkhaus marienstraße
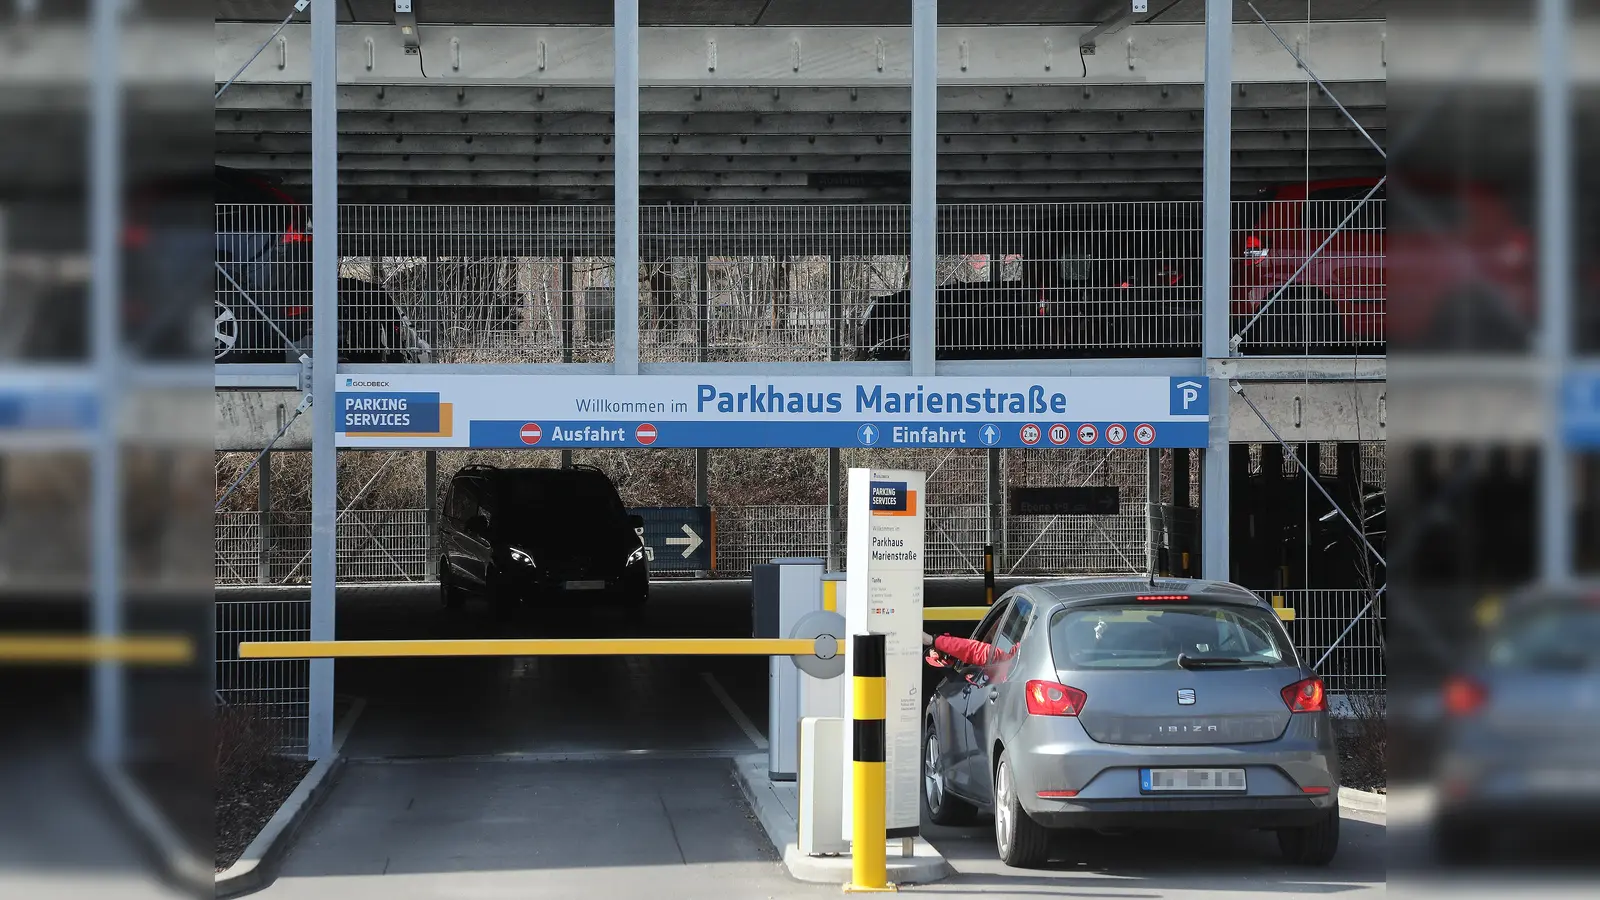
<point x="559" y="411"/>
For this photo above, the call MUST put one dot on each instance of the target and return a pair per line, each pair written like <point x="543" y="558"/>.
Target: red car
<point x="1464" y="270"/>
<point x="1337" y="303"/>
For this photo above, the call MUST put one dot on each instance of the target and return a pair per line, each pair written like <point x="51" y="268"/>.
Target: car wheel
<point x="1022" y="842"/>
<point x="943" y="807"/>
<point x="1312" y="845"/>
<point x="449" y="594"/>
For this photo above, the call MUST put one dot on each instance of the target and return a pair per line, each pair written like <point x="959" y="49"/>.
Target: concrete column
<point x="625" y="38"/>
<point x="430" y="487"/>
<point x="1555" y="281"/>
<point x="325" y="354"/>
<point x="924" y="181"/>
<point x="264" y="522"/>
<point x="105" y="228"/>
<point x="1217" y="182"/>
<point x="835" y="512"/>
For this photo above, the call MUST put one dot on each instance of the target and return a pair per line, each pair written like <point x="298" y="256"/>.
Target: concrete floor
<point x="563" y="778"/>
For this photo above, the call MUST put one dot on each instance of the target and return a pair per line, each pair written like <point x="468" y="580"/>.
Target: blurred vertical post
<point x="105" y="214"/>
<point x="1555" y="282"/>
<point x="325" y="356"/>
<point x="1217" y="182"/>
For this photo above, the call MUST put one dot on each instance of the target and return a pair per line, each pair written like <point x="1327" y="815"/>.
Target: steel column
<point x="1217" y="180"/>
<point x="702" y="289"/>
<point x="105" y="218"/>
<point x="702" y="477"/>
<point x="1153" y="529"/>
<point x="264" y="520"/>
<point x="325" y="355"/>
<point x="430" y="487"/>
<point x="835" y="511"/>
<point x="835" y="311"/>
<point x="1555" y="282"/>
<point x="924" y="180"/>
<point x="994" y="496"/>
<point x="566" y="307"/>
<point x="625" y="39"/>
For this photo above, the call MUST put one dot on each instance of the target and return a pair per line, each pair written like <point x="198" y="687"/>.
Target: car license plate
<point x="1152" y="780"/>
<point x="586" y="585"/>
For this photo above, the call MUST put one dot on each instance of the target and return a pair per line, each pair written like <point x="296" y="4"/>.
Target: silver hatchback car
<point x="1112" y="703"/>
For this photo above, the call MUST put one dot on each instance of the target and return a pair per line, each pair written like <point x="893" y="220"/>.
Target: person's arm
<point x="973" y="653"/>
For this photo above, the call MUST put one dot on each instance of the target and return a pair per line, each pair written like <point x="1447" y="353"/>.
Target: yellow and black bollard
<point x="988" y="574"/>
<point x="870" y="744"/>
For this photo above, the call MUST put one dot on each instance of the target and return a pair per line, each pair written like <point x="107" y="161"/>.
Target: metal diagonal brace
<point x="253" y="305"/>
<point x="305" y="404"/>
<point x="1238" y="388"/>
<point x="1302" y="63"/>
<point x="1349" y="628"/>
<point x="299" y="7"/>
<point x="1237" y="339"/>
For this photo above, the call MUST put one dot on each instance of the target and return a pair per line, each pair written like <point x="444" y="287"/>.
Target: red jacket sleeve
<point x="973" y="653"/>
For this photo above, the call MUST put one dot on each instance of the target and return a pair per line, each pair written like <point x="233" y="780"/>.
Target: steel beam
<point x="325" y="354"/>
<point x="795" y="57"/>
<point x="1066" y="121"/>
<point x="532" y="147"/>
<point x="1006" y="168"/>
<point x="1027" y="96"/>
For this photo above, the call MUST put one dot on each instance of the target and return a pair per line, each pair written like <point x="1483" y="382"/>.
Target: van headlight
<point x="636" y="557"/>
<point x="519" y="555"/>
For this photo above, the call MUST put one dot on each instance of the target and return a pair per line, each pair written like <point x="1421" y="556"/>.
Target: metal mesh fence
<point x="275" y="690"/>
<point x="1330" y="301"/>
<point x="374" y="545"/>
<point x="765" y="283"/>
<point x="1077" y="545"/>
<point x="1356" y="665"/>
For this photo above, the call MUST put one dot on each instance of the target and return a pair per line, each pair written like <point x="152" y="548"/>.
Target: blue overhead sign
<point x="678" y="538"/>
<point x="1580" y="409"/>
<point x="681" y="411"/>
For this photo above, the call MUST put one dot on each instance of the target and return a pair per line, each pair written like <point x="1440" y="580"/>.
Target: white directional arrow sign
<point x="690" y="542"/>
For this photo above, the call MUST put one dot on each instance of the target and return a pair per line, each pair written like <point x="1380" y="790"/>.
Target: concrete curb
<point x="178" y="862"/>
<point x="1363" y="801"/>
<point x="925" y="866"/>
<point x="253" y="870"/>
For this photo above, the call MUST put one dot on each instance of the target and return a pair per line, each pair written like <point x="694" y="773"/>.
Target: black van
<point x="529" y="536"/>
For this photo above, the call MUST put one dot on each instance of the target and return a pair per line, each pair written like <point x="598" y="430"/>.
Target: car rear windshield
<point x="1141" y="635"/>
<point x="1556" y="639"/>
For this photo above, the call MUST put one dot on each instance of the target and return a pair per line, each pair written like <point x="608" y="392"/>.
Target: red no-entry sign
<point x="531" y="433"/>
<point x="646" y="434"/>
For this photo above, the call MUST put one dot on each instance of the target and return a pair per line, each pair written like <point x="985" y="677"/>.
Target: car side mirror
<point x="636" y="522"/>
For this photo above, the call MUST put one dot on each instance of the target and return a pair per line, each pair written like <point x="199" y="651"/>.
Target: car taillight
<point x="1057" y="795"/>
<point x="1306" y="696"/>
<point x="296" y="236"/>
<point x="295" y="311"/>
<point x="1463" y="696"/>
<point x="1255" y="249"/>
<point x="1162" y="598"/>
<point x="1046" y="698"/>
